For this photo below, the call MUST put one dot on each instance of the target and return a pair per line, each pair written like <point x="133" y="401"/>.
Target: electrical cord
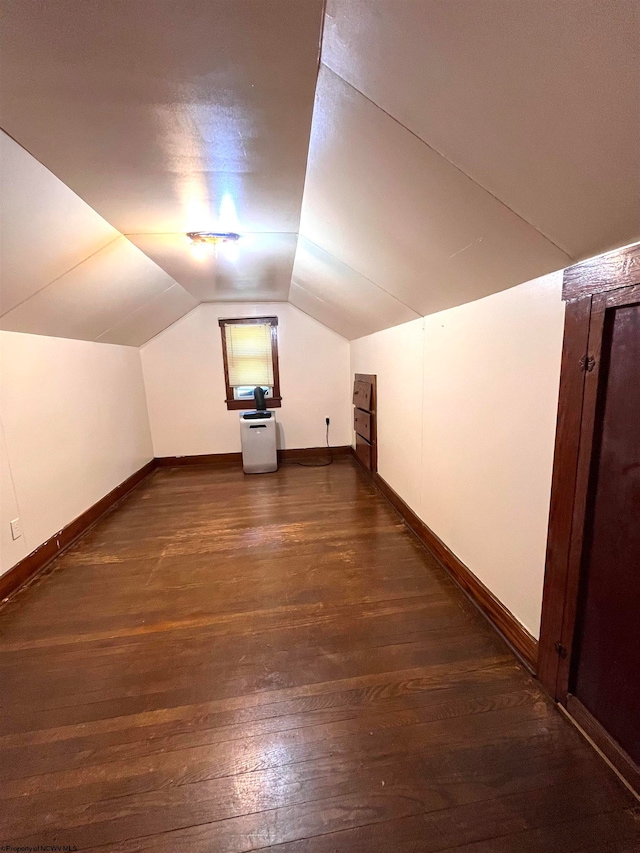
<point x="319" y="464"/>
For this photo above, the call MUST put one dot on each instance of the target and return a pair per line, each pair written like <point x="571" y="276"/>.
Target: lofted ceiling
<point x="64" y="271"/>
<point x="439" y="152"/>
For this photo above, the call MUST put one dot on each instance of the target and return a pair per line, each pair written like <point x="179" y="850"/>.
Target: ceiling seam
<point x="62" y="275"/>
<point x="44" y="166"/>
<point x="357" y="272"/>
<point x="346" y="337"/>
<point x="184" y="233"/>
<point x="349" y="315"/>
<point x="166" y="328"/>
<point x="323" y="13"/>
<point x="315" y="319"/>
<point x="455" y="166"/>
<point x="142" y="307"/>
<point x="333" y="328"/>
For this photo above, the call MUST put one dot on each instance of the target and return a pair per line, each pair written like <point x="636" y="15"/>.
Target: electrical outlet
<point x="16" y="528"/>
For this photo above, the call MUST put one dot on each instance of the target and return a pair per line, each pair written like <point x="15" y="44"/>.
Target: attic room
<point x="320" y="426"/>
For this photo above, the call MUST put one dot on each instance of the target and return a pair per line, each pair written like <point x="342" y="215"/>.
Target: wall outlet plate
<point x="16" y="528"/>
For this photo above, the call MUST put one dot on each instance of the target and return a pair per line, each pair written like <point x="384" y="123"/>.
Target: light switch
<point x="16" y="528"/>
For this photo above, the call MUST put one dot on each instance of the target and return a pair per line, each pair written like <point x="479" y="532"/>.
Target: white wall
<point x="467" y="408"/>
<point x="467" y="412"/>
<point x="11" y="551"/>
<point x="74" y="427"/>
<point x="184" y="380"/>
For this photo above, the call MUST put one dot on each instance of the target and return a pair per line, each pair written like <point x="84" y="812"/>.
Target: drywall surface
<point x="11" y="551"/>
<point x="75" y="426"/>
<point x="184" y="380"/>
<point x="469" y="426"/>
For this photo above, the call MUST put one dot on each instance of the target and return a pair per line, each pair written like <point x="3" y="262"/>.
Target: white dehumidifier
<point x="258" y="436"/>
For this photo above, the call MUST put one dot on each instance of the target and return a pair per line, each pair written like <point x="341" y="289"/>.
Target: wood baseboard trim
<point x="34" y="563"/>
<point x="218" y="460"/>
<point x="311" y="454"/>
<point x="621" y="763"/>
<point x="512" y="632"/>
<point x="230" y="460"/>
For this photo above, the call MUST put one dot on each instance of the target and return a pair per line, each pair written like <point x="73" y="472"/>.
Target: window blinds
<point x="249" y="354"/>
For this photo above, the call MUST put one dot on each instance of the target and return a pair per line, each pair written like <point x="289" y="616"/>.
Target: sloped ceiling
<point x="420" y="228"/>
<point x="456" y="149"/>
<point x="459" y="148"/>
<point x="536" y="100"/>
<point x="165" y="117"/>
<point x="64" y="271"/>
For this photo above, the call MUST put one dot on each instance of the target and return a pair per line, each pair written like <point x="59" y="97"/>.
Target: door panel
<point x="606" y="659"/>
<point x="589" y="651"/>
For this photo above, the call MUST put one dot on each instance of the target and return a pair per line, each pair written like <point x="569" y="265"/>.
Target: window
<point x="250" y="356"/>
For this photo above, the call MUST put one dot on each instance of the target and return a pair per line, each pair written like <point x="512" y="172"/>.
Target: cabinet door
<point x="362" y="423"/>
<point x="363" y="451"/>
<point x="362" y="394"/>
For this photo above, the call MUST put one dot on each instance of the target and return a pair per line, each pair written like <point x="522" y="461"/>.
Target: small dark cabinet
<point x="364" y="420"/>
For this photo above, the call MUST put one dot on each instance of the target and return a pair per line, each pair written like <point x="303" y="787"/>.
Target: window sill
<point x="249" y="405"/>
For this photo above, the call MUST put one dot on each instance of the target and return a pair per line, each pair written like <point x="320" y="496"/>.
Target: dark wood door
<point x="589" y="651"/>
<point x="605" y="675"/>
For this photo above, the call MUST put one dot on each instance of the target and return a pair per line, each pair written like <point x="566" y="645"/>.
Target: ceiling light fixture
<point x="202" y="242"/>
<point x="212" y="238"/>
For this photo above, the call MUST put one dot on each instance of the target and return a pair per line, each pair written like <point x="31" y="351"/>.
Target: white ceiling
<point x="154" y="110"/>
<point x="457" y="149"/>
<point x="340" y="297"/>
<point x="64" y="229"/>
<point x="257" y="269"/>
<point x="538" y="101"/>
<point x="64" y="271"/>
<point x="388" y="206"/>
<point x="165" y="117"/>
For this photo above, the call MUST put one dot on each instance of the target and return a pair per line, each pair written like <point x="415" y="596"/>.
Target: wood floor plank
<point x="402" y="689"/>
<point x="102" y="683"/>
<point x="26" y="760"/>
<point x="446" y="782"/>
<point x="372" y="812"/>
<point x="609" y="832"/>
<point x="182" y="766"/>
<point x="229" y="663"/>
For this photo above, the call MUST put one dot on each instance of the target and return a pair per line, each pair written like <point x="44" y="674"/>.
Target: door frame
<point x="589" y="289"/>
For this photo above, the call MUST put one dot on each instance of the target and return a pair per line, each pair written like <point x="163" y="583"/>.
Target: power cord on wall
<point x="320" y="464"/>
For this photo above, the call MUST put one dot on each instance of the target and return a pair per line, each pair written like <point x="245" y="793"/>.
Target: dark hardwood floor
<point x="230" y="663"/>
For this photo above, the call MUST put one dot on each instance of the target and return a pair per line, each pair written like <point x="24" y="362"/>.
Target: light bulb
<point x="201" y="250"/>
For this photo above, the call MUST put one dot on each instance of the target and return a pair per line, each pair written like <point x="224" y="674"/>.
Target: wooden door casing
<point x="605" y="672"/>
<point x="589" y="413"/>
<point x="585" y="325"/>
